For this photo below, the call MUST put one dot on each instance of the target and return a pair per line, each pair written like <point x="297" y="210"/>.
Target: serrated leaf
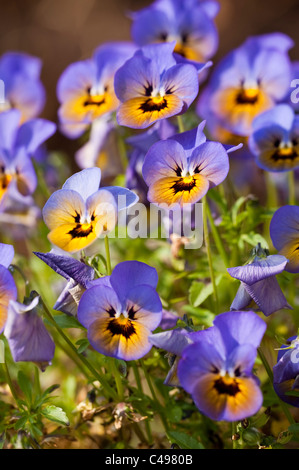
<point x="56" y="414"/>
<point x="184" y="441"/>
<point x="25" y="385"/>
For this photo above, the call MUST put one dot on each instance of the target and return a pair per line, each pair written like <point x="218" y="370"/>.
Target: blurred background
<point x="64" y="31"/>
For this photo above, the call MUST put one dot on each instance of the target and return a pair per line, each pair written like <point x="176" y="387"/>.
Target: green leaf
<point x="25" y="386"/>
<point x="83" y="345"/>
<point x="21" y="423"/>
<point x="67" y="321"/>
<point x="254" y="238"/>
<point x="56" y="414"/>
<point x="183" y="440"/>
<point x="294" y="428"/>
<point x="199" y="291"/>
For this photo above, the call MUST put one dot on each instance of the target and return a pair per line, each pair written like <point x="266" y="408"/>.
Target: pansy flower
<point x="80" y="212"/>
<point x="17" y="145"/>
<point x="284" y="232"/>
<point x="27" y="336"/>
<point x="181" y="169"/>
<point x="122" y="310"/>
<point x="8" y="290"/>
<point x="85" y="89"/>
<point x="286" y="372"/>
<point x="259" y="283"/>
<point x="248" y="81"/>
<point x="275" y="139"/>
<point x="189" y="23"/>
<point x="217" y="368"/>
<point x="78" y="276"/>
<point x="23" y="89"/>
<point x="152" y="86"/>
<point x="140" y="144"/>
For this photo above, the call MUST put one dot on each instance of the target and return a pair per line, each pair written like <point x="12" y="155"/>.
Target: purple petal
<point x="68" y="267"/>
<point x="85" y="182"/>
<point x="7" y="253"/>
<point x="169" y="320"/>
<point x="96" y="302"/>
<point x="241" y="300"/>
<point x="189" y="140"/>
<point x="260" y="268"/>
<point x="182" y="80"/>
<point x="174" y="341"/>
<point x="33" y="133"/>
<point x="198" y="359"/>
<point x="162" y="159"/>
<point x="211" y="160"/>
<point x="9" y="123"/>
<point x="124" y="198"/>
<point x="268" y="295"/>
<point x="27" y="335"/>
<point x="129" y="274"/>
<point x="240" y="328"/>
<point x="144" y="301"/>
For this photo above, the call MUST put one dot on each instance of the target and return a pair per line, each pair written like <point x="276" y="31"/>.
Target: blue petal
<point x="68" y="267"/>
<point x="85" y="182"/>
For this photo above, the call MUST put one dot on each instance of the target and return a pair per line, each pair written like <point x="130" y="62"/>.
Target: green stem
<point x="19" y="270"/>
<point x="140" y="389"/>
<point x="292" y="188"/>
<point x="180" y="124"/>
<point x="108" y="258"/>
<point x="10" y="383"/>
<point x="118" y="381"/>
<point x="209" y="252"/>
<point x="270" y="375"/>
<point x="272" y="201"/>
<point x="216" y="236"/>
<point x="234" y="432"/>
<point x="153" y="393"/>
<point x="111" y="393"/>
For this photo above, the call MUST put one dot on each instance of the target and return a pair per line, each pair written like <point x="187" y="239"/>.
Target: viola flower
<point x="27" y="335"/>
<point x="275" y="139"/>
<point x="8" y="290"/>
<point x="80" y="212"/>
<point x="17" y="145"/>
<point x="259" y="284"/>
<point x="22" y="86"/>
<point x="174" y="342"/>
<point x="152" y="86"/>
<point x="249" y="80"/>
<point x="189" y="23"/>
<point x="181" y="169"/>
<point x="217" y="368"/>
<point x="286" y="371"/>
<point x="85" y="89"/>
<point x="141" y="143"/>
<point x="121" y="311"/>
<point x="284" y="233"/>
<point x="78" y="276"/>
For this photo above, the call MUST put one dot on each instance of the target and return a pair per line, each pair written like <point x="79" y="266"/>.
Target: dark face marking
<point x="126" y="329"/>
<point x="91" y="101"/>
<point x="131" y="312"/>
<point x="78" y="232"/>
<point x="77" y="217"/>
<point x="243" y="98"/>
<point x="181" y="185"/>
<point x="149" y="105"/>
<point x="280" y="155"/>
<point x="148" y="89"/>
<point x="230" y="389"/>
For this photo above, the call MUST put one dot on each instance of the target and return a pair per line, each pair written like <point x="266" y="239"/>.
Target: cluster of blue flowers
<point x="142" y="85"/>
